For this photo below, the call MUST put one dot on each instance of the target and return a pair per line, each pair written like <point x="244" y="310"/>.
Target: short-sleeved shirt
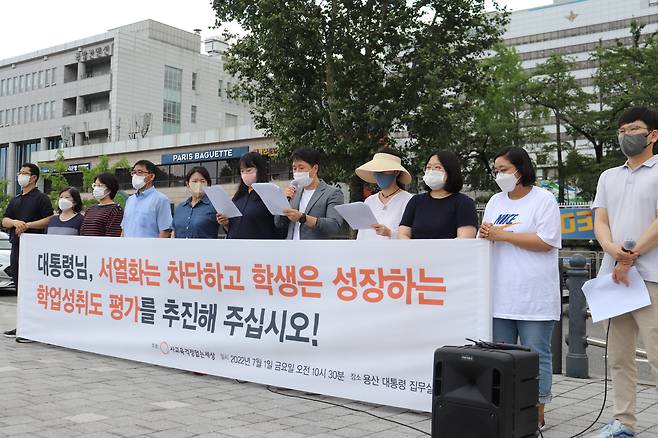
<point x="525" y="284"/>
<point x="388" y="214"/>
<point x="102" y="221"/>
<point x="69" y="227"/>
<point x="195" y="222"/>
<point x="433" y="218"/>
<point x="631" y="199"/>
<point x="29" y="207"/>
<point x="147" y="214"/>
<point x="256" y="221"/>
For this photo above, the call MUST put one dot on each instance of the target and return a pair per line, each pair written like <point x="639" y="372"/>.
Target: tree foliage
<point x="343" y="76"/>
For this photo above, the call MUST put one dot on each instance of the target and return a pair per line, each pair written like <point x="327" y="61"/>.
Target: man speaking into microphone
<point x="312" y="215"/>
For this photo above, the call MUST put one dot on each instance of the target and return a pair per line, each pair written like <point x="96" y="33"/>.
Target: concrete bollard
<point x="577" y="363"/>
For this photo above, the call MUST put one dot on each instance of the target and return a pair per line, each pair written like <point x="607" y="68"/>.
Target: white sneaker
<point x="615" y="429"/>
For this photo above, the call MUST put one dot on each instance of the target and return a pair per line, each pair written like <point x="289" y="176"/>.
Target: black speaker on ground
<point x="484" y="393"/>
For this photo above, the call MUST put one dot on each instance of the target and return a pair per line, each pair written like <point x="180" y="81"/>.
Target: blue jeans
<point x="537" y="336"/>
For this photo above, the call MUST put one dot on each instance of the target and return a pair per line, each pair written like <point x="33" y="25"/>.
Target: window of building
<point x="54" y="143"/>
<point x="173" y="79"/>
<point x="46" y="110"/>
<point x="26" y="113"/>
<point x="14" y="89"/>
<point x="194" y="80"/>
<point x="2" y="117"/>
<point x="220" y="86"/>
<point x="52" y="76"/>
<point x="3" y="161"/>
<point x="171" y="117"/>
<point x="31" y="113"/>
<point x="2" y="87"/>
<point x="230" y="120"/>
<point x="193" y="114"/>
<point x="21" y="83"/>
<point x="47" y="77"/>
<point x="52" y="109"/>
<point x="13" y="116"/>
<point x="38" y="112"/>
<point x="40" y="79"/>
<point x="34" y="81"/>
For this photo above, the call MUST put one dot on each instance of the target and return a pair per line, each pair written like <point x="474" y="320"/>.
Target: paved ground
<point x="48" y="391"/>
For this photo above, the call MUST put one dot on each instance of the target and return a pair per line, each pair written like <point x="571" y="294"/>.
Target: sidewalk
<point x="48" y="391"/>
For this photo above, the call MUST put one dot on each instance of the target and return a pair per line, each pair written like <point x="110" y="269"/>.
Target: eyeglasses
<point x="140" y="172"/>
<point x="97" y="186"/>
<point x="631" y="130"/>
<point x="495" y="173"/>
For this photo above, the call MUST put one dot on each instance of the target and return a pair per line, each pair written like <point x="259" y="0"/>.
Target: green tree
<point x="498" y="116"/>
<point x="344" y="76"/>
<point x="555" y="88"/>
<point x="55" y="177"/>
<point x="103" y="165"/>
<point x="4" y="196"/>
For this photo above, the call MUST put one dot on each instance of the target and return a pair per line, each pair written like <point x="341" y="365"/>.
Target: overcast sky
<point x="30" y="25"/>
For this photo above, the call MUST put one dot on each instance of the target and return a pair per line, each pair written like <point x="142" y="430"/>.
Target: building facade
<point x="576" y="28"/>
<point x="127" y="93"/>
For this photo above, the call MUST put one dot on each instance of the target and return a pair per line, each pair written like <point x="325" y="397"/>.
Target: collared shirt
<point x="29" y="207"/>
<point x="631" y="198"/>
<point x="195" y="222"/>
<point x="147" y="214"/>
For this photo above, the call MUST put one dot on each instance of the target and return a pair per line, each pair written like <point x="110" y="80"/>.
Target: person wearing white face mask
<point x="194" y="218"/>
<point x="523" y="222"/>
<point x="312" y="214"/>
<point x="443" y="212"/>
<point x="147" y="213"/>
<point x="27" y="212"/>
<point x="69" y="220"/>
<point x="103" y="219"/>
<point x="386" y="170"/>
<point x="256" y="221"/>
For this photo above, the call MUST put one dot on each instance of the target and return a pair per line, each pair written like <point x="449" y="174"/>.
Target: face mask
<point x="23" y="180"/>
<point x="384" y="180"/>
<point x="632" y="145"/>
<point x="506" y="181"/>
<point x="435" y="179"/>
<point x="197" y="188"/>
<point x="249" y="178"/>
<point x="138" y="181"/>
<point x="65" y="204"/>
<point x="303" y="178"/>
<point x="98" y="193"/>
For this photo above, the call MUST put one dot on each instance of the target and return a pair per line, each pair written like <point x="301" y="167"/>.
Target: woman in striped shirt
<point x="103" y="219"/>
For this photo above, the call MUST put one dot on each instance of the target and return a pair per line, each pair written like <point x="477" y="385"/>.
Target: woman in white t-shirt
<point x="523" y="222"/>
<point x="386" y="170"/>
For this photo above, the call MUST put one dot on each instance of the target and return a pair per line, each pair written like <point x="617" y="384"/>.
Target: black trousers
<point x="13" y="263"/>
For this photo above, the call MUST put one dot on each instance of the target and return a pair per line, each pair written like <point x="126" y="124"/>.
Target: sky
<point x="30" y="25"/>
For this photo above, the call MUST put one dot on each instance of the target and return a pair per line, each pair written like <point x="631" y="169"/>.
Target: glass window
<point x="40" y="79"/>
<point x="52" y="76"/>
<point x="2" y="87"/>
<point x="46" y="110"/>
<point x="21" y="83"/>
<point x="52" y="109"/>
<point x="14" y="89"/>
<point x="13" y="115"/>
<point x="2" y="117"/>
<point x="194" y="80"/>
<point x="220" y="85"/>
<point x="34" y="80"/>
<point x="31" y="113"/>
<point x="176" y="175"/>
<point x="38" y="112"/>
<point x="211" y="167"/>
<point x="47" y="76"/>
<point x="193" y="114"/>
<point x="173" y="79"/>
<point x="162" y="176"/>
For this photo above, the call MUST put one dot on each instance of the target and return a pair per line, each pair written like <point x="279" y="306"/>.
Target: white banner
<point x="352" y="319"/>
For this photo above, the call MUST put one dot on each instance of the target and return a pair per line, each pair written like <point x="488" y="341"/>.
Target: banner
<point x="577" y="223"/>
<point x="352" y="319"/>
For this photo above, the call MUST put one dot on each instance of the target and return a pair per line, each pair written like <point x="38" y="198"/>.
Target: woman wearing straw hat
<point x="443" y="212"/>
<point x="386" y="170"/>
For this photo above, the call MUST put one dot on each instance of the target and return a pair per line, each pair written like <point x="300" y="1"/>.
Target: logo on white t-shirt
<point x="506" y="220"/>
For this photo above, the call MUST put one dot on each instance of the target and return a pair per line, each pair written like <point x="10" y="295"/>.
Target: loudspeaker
<point x="484" y="393"/>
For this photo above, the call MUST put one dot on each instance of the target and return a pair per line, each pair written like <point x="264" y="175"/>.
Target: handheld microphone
<point x="628" y="245"/>
<point x="295" y="185"/>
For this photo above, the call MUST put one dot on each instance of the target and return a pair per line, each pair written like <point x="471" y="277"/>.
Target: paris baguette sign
<point x="207" y="155"/>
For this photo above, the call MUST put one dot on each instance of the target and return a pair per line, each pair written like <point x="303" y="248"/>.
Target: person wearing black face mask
<point x="626" y="207"/>
<point x="386" y="170"/>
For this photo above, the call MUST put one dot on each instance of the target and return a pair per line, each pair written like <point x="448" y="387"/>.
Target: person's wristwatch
<point x="302" y="220"/>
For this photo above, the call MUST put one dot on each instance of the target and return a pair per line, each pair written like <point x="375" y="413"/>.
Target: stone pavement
<point x="48" y="391"/>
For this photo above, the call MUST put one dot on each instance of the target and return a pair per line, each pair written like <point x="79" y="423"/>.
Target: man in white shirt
<point x="312" y="214"/>
<point x="626" y="208"/>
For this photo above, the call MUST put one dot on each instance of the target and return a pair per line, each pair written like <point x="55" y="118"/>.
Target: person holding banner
<point x="103" y="219"/>
<point x="69" y="220"/>
<point x="147" y="210"/>
<point x="194" y="218"/>
<point x="442" y="212"/>
<point x="312" y="214"/>
<point x="256" y="221"/>
<point x="523" y="222"/>
<point x="386" y="170"/>
<point x="626" y="226"/>
<point x="27" y="212"/>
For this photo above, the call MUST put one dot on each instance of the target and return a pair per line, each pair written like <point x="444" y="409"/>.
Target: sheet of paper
<point x="607" y="298"/>
<point x="357" y="214"/>
<point x="273" y="197"/>
<point x="221" y="201"/>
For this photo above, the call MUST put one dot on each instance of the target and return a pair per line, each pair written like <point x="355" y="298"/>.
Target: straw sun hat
<point x="381" y="163"/>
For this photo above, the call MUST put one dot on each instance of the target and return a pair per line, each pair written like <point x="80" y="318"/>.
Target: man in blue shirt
<point x="147" y="212"/>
